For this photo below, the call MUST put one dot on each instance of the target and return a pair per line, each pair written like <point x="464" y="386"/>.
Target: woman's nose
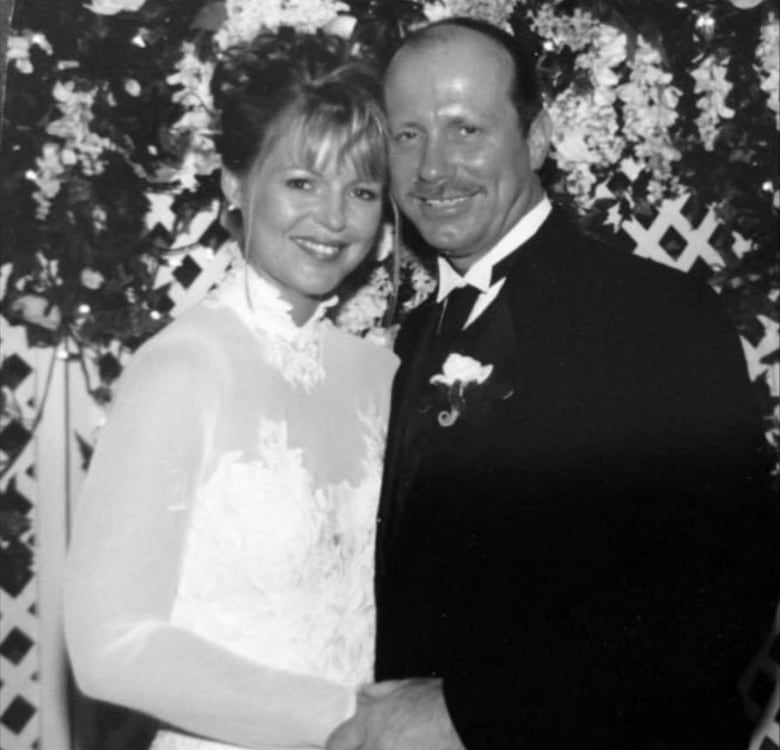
<point x="332" y="212"/>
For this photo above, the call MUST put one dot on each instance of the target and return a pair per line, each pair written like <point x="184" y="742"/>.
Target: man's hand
<point x="398" y="715"/>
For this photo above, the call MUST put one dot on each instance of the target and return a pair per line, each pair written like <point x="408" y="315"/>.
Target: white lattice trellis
<point x="19" y="625"/>
<point x="651" y="241"/>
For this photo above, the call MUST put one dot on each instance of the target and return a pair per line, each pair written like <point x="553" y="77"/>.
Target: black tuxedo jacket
<point x="582" y="556"/>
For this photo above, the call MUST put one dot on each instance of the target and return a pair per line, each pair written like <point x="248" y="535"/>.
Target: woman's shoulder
<point x="197" y="343"/>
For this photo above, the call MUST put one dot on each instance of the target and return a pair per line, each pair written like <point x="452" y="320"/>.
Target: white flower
<point x="342" y="25"/>
<point x="745" y="4"/>
<point x="37" y="310"/>
<point x="50" y="169"/>
<point x="92" y="279"/>
<point x="463" y="370"/>
<point x="112" y="7"/>
<point x="19" y="46"/>
<point x="132" y="87"/>
<point x="423" y="283"/>
<point x="458" y="372"/>
<point x="196" y="123"/>
<point x="768" y="64"/>
<point x="572" y="147"/>
<point x="713" y="87"/>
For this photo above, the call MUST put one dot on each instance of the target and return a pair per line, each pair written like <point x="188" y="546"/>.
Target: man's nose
<point x="332" y="212"/>
<point x="435" y="163"/>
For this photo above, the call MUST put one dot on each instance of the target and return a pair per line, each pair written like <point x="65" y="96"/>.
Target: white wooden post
<point x="68" y="407"/>
<point x="51" y="538"/>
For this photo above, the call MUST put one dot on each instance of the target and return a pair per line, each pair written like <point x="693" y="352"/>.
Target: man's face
<point x="461" y="169"/>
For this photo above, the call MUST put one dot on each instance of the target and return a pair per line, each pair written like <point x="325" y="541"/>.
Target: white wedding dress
<point x="221" y="571"/>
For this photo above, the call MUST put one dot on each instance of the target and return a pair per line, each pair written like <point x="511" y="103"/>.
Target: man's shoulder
<point x="589" y="266"/>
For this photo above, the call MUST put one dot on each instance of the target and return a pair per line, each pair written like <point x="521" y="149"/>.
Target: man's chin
<point x="448" y="241"/>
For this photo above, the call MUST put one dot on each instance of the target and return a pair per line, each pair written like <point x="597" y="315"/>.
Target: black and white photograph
<point x="389" y="375"/>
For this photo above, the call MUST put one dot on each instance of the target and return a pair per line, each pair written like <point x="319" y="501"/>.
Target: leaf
<point x="211" y="16"/>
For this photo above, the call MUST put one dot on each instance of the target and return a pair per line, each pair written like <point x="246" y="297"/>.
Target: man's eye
<point x="299" y="183"/>
<point x="468" y="130"/>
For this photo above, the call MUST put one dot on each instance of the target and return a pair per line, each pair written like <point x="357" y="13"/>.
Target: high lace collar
<point x="295" y="350"/>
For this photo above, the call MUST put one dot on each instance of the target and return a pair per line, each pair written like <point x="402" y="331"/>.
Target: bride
<point x="220" y="574"/>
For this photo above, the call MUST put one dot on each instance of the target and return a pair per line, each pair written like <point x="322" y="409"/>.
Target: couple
<point x="567" y="552"/>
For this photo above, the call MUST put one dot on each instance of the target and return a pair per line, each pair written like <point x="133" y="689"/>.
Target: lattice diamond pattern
<point x="671" y="239"/>
<point x="189" y="276"/>
<point x="761" y="689"/>
<point x="19" y="631"/>
<point x="20" y="693"/>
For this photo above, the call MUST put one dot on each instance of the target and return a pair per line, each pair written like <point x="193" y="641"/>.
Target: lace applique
<point x="295" y="351"/>
<point x="279" y="569"/>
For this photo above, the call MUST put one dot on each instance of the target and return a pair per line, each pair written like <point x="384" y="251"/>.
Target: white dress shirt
<point x="479" y="275"/>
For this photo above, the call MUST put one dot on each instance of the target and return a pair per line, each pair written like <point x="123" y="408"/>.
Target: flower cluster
<point x="649" y="100"/>
<point x="587" y="132"/>
<point x="19" y="46"/>
<point x="712" y="88"/>
<point x="768" y="64"/>
<point x="76" y="145"/>
<point x="367" y="311"/>
<point x="195" y="127"/>
<point x="246" y="17"/>
<point x="619" y="106"/>
<point x="494" y="11"/>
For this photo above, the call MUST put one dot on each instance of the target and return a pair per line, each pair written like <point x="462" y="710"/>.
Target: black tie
<point x="457" y="306"/>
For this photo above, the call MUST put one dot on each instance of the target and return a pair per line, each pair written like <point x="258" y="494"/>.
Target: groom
<point x="567" y="552"/>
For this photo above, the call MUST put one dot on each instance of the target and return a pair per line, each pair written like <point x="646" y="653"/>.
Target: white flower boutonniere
<point x="458" y="374"/>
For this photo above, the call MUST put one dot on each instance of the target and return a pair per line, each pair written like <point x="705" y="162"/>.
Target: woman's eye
<point x="299" y="183"/>
<point x="366" y="193"/>
<point x="404" y="136"/>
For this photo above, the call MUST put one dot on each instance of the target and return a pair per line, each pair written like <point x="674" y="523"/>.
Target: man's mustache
<point x="442" y="190"/>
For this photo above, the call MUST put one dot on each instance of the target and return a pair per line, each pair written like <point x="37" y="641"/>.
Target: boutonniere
<point x="459" y="375"/>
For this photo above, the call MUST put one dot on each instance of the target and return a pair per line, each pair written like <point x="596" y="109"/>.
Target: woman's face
<point x="308" y="226"/>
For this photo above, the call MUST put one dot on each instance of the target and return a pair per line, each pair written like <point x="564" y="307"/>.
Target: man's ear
<point x="231" y="188"/>
<point x="539" y="136"/>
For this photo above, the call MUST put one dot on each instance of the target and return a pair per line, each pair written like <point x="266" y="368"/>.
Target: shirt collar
<point x="480" y="273"/>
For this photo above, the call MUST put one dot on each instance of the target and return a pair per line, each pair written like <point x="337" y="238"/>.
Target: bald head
<point x="523" y="85"/>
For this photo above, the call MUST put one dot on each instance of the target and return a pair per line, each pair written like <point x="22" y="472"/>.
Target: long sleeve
<point x="125" y="563"/>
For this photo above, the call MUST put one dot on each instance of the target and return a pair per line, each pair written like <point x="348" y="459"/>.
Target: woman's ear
<point x="231" y="189"/>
